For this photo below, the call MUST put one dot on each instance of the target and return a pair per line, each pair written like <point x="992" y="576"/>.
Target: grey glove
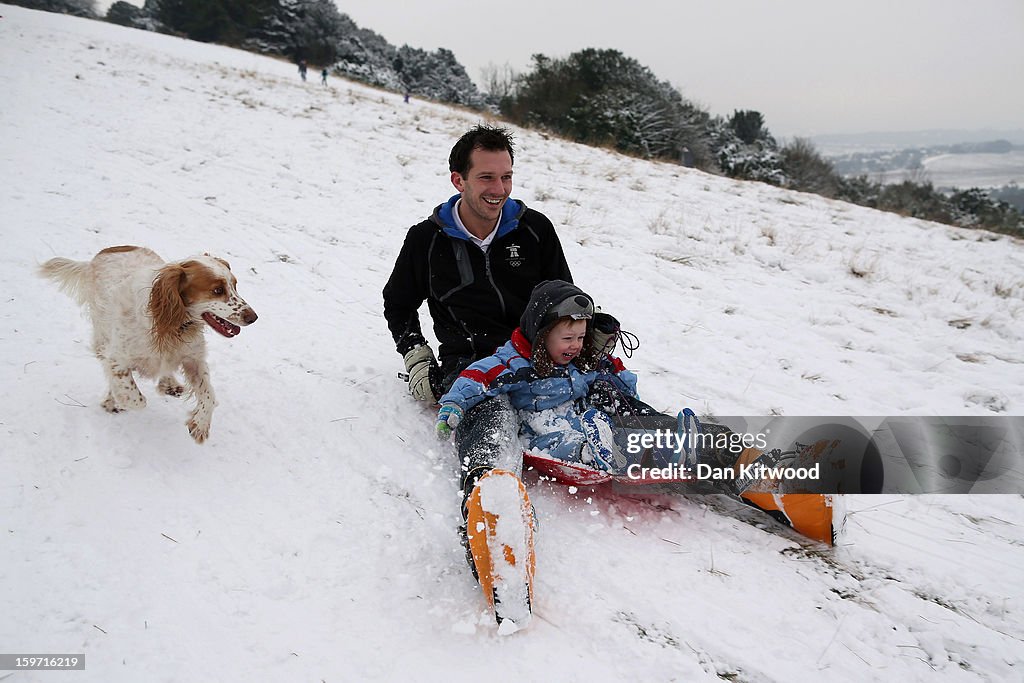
<point x="605" y="333"/>
<point x="419" y="360"/>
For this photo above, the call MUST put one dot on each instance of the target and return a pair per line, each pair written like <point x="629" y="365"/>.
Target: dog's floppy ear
<point x="167" y="307"/>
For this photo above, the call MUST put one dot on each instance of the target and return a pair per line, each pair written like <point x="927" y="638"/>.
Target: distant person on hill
<point x="323" y="76"/>
<point x="302" y="69"/>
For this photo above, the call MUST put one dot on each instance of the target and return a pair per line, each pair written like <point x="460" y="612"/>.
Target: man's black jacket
<point x="475" y="299"/>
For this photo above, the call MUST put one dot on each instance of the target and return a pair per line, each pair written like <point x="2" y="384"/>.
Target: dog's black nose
<point x="249" y="316"/>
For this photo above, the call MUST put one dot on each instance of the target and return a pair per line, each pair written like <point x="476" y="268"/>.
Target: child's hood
<point x="551" y="300"/>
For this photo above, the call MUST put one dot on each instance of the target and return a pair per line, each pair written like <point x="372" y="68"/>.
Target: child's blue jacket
<point x="509" y="371"/>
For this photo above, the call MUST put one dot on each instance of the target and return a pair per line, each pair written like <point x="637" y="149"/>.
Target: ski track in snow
<point x="314" y="536"/>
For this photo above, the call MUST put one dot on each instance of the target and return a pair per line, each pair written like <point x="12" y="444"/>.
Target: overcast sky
<point x="810" y="66"/>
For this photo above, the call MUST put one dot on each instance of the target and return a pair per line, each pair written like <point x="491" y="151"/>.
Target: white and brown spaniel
<point x="148" y="317"/>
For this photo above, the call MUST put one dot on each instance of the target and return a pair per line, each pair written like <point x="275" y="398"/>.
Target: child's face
<point x="565" y="340"/>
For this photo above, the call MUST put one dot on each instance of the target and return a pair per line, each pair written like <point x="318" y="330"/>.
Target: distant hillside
<point x="912" y="158"/>
<point x="996" y="165"/>
<point x="846" y="143"/>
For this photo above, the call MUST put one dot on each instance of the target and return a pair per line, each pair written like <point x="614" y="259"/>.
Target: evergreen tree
<point x="748" y="126"/>
<point x="976" y="207"/>
<point x="604" y="97"/>
<point x="436" y="75"/>
<point x="123" y="13"/>
<point x="229" y="22"/>
<point x="758" y="159"/>
<point x="301" y="29"/>
<point x="77" y="8"/>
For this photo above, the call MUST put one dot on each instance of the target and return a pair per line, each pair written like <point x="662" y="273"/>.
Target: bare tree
<point x="499" y="82"/>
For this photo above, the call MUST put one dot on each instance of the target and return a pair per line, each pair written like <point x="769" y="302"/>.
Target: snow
<point x="314" y="536"/>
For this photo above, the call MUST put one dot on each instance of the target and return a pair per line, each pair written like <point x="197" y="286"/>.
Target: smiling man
<point x="474" y="261"/>
<point x="484" y="187"/>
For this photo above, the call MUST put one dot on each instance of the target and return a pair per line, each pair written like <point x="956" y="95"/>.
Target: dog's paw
<point x="170" y="386"/>
<point x="199" y="432"/>
<point x="133" y="402"/>
<point x="111" y="407"/>
<point x="199" y="427"/>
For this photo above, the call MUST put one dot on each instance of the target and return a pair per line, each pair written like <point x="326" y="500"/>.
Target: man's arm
<point x="404" y="293"/>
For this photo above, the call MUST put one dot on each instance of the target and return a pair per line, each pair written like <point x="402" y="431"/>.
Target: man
<point x="475" y="262"/>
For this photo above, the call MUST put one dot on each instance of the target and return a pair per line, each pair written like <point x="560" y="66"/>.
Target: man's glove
<point x="419" y="361"/>
<point x="448" y="418"/>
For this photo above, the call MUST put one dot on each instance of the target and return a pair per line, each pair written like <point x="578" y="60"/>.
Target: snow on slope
<point x="313" y="537"/>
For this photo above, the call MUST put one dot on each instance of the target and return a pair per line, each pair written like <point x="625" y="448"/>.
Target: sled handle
<point x="683" y="429"/>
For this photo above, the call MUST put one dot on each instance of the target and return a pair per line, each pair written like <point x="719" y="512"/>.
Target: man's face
<point x="485" y="187"/>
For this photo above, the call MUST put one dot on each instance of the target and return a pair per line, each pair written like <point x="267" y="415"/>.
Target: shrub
<point x="808" y="171"/>
<point x="603" y="97"/>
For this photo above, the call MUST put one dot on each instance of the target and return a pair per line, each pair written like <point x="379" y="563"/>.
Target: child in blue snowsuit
<point x="547" y="370"/>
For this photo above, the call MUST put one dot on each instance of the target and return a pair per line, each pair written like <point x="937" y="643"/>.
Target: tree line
<point x="603" y="97"/>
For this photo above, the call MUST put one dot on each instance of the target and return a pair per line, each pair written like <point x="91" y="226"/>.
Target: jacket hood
<point x="546" y="306"/>
<point x="511" y="212"/>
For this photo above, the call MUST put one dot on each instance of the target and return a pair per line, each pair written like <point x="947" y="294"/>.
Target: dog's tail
<point x="74" y="277"/>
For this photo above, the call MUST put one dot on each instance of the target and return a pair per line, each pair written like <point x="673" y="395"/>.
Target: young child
<point x="559" y="376"/>
<point x="546" y="370"/>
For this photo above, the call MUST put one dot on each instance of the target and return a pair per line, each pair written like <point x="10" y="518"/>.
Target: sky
<point x="810" y="67"/>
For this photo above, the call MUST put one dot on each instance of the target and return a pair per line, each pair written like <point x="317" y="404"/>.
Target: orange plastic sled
<point x="808" y="513"/>
<point x="502" y="549"/>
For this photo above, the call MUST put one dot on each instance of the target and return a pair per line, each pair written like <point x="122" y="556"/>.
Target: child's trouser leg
<point x="600" y="434"/>
<point x="488" y="437"/>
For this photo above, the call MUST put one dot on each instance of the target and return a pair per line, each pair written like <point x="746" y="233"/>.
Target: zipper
<point x="490" y="278"/>
<point x="469" y="335"/>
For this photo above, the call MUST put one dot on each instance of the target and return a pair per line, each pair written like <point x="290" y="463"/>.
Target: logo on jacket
<point x="514" y="259"/>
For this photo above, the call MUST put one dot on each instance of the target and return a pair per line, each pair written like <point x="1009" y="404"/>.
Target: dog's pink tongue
<point x="221" y="325"/>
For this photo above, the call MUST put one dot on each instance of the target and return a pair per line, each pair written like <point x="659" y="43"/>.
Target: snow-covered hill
<point x="313" y="537"/>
